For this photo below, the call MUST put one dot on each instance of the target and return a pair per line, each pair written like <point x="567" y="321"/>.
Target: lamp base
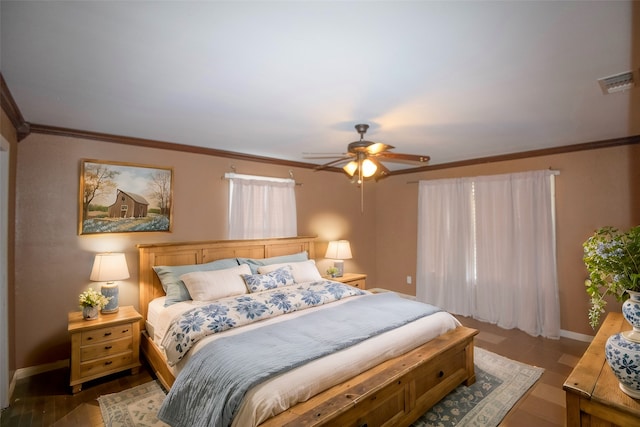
<point x="339" y="264"/>
<point x="110" y="290"/>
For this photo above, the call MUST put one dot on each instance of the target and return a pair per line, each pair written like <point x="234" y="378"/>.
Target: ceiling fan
<point x="363" y="158"/>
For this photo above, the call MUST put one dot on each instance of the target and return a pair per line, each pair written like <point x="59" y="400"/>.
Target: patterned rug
<point x="500" y="383"/>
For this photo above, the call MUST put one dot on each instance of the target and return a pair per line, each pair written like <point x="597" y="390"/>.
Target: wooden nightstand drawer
<point x="358" y="280"/>
<point x="106" y="334"/>
<point x="105" y="349"/>
<point x="358" y="283"/>
<point x="99" y="366"/>
<point x="103" y="346"/>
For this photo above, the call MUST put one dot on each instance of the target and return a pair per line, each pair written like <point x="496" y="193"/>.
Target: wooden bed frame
<point x="394" y="393"/>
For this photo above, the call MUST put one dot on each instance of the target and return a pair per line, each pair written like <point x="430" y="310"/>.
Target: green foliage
<point x="332" y="270"/>
<point x="613" y="261"/>
<point x="93" y="298"/>
<point x="98" y="208"/>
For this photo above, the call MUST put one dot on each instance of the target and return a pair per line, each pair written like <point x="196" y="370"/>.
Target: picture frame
<point x="121" y="197"/>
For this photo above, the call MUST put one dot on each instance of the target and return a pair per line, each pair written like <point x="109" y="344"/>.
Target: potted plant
<point x="613" y="261"/>
<point x="91" y="302"/>
<point x="332" y="271"/>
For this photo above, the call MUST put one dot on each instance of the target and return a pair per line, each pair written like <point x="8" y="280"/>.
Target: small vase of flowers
<point x="332" y="271"/>
<point x="91" y="302"/>
<point x="613" y="260"/>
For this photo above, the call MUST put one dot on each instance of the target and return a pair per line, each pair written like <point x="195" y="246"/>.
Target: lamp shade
<point x="108" y="267"/>
<point x="339" y="249"/>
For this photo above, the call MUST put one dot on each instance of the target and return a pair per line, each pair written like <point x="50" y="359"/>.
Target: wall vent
<point x="617" y="83"/>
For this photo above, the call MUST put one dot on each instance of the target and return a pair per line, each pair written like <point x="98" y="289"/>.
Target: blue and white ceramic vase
<point x="623" y="350"/>
<point x="90" y="312"/>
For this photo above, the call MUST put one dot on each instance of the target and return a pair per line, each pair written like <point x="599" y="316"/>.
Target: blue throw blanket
<point x="221" y="315"/>
<point x="210" y="388"/>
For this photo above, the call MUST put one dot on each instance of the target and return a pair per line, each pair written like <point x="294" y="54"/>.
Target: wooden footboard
<point x="394" y="393"/>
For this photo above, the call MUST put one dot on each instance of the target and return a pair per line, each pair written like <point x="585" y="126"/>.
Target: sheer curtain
<point x="261" y="207"/>
<point x="486" y="248"/>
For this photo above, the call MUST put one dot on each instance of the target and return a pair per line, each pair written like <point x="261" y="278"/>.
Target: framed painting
<point x="117" y="197"/>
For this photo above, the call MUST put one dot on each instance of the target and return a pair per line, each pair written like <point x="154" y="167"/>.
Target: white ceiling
<point x="454" y="80"/>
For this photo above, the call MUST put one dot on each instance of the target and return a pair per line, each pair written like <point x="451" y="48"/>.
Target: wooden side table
<point x="592" y="392"/>
<point x="103" y="346"/>
<point x="357" y="280"/>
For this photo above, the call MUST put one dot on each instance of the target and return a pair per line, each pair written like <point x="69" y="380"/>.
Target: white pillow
<point x="216" y="284"/>
<point x="304" y="271"/>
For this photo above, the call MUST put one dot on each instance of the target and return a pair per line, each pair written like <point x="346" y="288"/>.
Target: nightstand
<point x="354" y="279"/>
<point x="103" y="346"/>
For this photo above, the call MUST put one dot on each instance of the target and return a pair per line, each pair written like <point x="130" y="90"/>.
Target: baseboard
<point x="35" y="370"/>
<point x="575" y="336"/>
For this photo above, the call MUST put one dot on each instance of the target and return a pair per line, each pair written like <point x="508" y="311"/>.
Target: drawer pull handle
<point x="125" y="331"/>
<point x="108" y="363"/>
<point x="106" y="334"/>
<point x="89" y="338"/>
<point x="108" y="347"/>
<point x="440" y="374"/>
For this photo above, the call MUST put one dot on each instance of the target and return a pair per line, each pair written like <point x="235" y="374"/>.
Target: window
<point x="486" y="248"/>
<point x="261" y="207"/>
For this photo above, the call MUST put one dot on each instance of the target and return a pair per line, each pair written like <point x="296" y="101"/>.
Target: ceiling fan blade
<point x="334" y="162"/>
<point x="403" y="157"/>
<point x="326" y="156"/>
<point x="378" y="147"/>
<point x="324" y="153"/>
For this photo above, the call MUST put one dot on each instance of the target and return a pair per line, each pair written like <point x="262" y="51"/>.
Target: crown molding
<point x="10" y="107"/>
<point x="149" y="143"/>
<point x="594" y="145"/>
<point x="163" y="145"/>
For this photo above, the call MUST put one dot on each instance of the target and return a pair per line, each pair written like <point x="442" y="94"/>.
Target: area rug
<point x="500" y="383"/>
<point x="136" y="406"/>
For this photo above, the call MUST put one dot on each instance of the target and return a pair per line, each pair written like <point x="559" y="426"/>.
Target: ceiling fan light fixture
<point x="351" y="167"/>
<point x="368" y="168"/>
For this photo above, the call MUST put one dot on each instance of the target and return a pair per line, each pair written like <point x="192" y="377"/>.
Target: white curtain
<point x="261" y="207"/>
<point x="486" y="249"/>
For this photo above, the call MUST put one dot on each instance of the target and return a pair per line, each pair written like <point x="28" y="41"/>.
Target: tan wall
<point x="594" y="188"/>
<point x="54" y="262"/>
<point x="9" y="133"/>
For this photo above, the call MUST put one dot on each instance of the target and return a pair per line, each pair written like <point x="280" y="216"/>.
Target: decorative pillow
<point x="305" y="271"/>
<point x="174" y="287"/>
<point x="216" y="284"/>
<point x="254" y="263"/>
<point x="275" y="279"/>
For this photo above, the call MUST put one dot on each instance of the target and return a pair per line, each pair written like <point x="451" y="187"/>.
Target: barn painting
<point x="120" y="197"/>
<point x="128" y="205"/>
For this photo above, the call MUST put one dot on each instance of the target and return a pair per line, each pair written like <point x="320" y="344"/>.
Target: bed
<point x="389" y="390"/>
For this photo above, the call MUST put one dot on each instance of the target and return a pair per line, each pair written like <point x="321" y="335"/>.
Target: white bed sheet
<point x="283" y="391"/>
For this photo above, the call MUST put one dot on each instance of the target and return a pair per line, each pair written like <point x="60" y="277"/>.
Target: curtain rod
<point x="231" y="175"/>
<point x="553" y="172"/>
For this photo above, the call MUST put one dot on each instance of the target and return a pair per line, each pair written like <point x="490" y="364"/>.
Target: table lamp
<point x="339" y="250"/>
<point x="109" y="267"/>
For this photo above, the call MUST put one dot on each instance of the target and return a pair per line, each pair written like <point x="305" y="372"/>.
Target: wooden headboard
<point x="187" y="253"/>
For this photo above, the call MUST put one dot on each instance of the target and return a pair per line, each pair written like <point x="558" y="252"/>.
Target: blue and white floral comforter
<point x="227" y="313"/>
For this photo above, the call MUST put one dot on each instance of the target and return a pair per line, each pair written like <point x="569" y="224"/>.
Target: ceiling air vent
<point x="618" y="83"/>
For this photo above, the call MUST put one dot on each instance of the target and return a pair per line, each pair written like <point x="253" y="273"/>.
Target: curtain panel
<point x="261" y="207"/>
<point x="486" y="249"/>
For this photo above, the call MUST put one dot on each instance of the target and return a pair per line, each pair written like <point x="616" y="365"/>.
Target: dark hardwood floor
<point x="45" y="399"/>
